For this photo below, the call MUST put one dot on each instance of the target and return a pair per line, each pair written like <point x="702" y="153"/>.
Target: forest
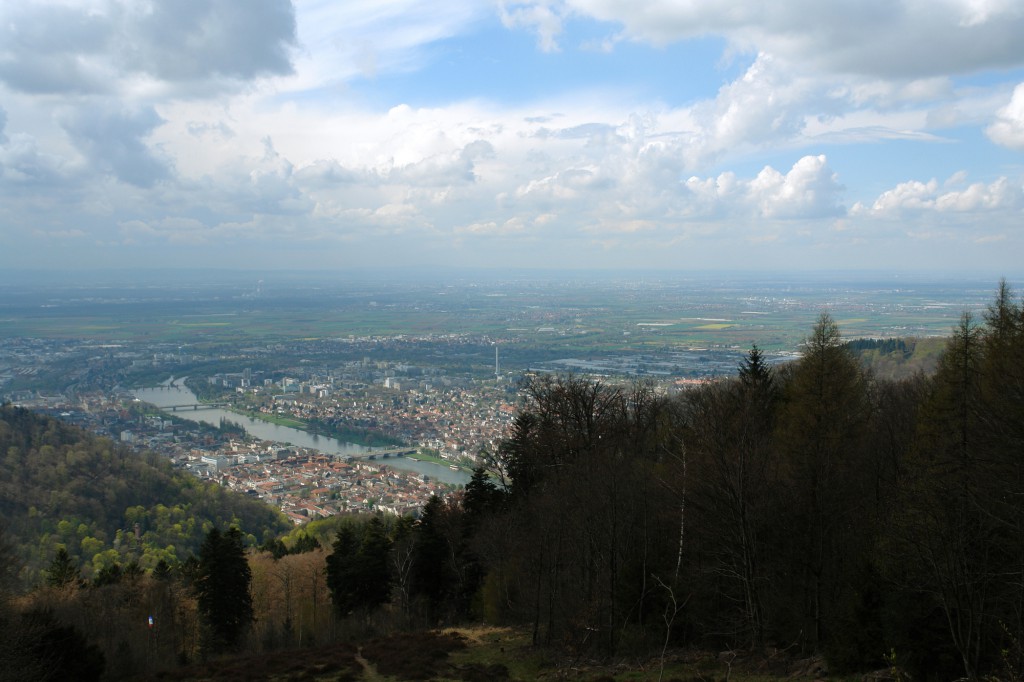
<point x="105" y="503"/>
<point x="809" y="508"/>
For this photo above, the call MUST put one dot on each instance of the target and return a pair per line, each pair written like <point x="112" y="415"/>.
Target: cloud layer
<point x="209" y="131"/>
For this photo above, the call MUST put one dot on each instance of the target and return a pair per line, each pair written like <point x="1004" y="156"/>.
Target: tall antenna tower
<point x="497" y="372"/>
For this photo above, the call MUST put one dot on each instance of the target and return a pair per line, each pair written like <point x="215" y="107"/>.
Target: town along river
<point x="175" y="393"/>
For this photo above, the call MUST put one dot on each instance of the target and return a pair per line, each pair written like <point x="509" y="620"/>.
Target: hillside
<point x="896" y="359"/>
<point x="105" y="504"/>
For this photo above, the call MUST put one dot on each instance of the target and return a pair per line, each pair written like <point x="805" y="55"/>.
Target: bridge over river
<point x="175" y="399"/>
<point x="195" y="406"/>
<point x="376" y="453"/>
<point x="382" y="453"/>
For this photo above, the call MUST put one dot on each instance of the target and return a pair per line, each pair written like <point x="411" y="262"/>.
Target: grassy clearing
<point x="290" y="422"/>
<point x="426" y="457"/>
<point x="492" y="654"/>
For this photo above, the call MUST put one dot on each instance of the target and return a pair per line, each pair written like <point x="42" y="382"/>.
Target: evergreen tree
<point x="342" y="573"/>
<point x="374" y="569"/>
<point x="960" y="540"/>
<point x="821" y="425"/>
<point x="108" y="575"/>
<point x="162" y="571"/>
<point x="304" y="543"/>
<point x="755" y="372"/>
<point x="63" y="571"/>
<point x="359" y="568"/>
<point x="432" y="577"/>
<point x="223" y="589"/>
<point x="481" y="496"/>
<point x="734" y="495"/>
<point x="341" y="570"/>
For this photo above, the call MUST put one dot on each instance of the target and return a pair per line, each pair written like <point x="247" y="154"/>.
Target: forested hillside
<point x="889" y="359"/>
<point x="814" y="508"/>
<point x="61" y="487"/>
<point x="807" y="509"/>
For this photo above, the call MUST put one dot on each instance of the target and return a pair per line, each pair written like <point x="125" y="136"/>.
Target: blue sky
<point x="576" y="134"/>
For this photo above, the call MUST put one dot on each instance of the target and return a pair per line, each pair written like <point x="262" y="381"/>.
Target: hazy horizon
<point x="466" y="275"/>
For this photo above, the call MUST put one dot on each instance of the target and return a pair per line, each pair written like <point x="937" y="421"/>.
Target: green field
<point x="606" y="315"/>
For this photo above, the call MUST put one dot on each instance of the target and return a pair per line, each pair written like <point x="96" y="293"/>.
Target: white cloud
<point x="24" y="167"/>
<point x="117" y="46"/>
<point x="916" y="198"/>
<point x="111" y="140"/>
<point x="766" y="104"/>
<point x="367" y="38"/>
<point x="1008" y="128"/>
<point x="809" y="190"/>
<point x="886" y="38"/>
<point x="130" y="134"/>
<point x="540" y="17"/>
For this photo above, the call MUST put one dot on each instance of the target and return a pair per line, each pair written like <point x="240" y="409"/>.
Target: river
<point x="174" y="392"/>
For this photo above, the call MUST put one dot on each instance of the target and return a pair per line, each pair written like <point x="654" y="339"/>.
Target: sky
<point x="677" y="135"/>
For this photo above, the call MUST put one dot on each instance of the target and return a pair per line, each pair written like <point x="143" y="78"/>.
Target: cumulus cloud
<point x="617" y="179"/>
<point x="439" y="170"/>
<point x="809" y="190"/>
<point x="115" y="90"/>
<point x="55" y="47"/>
<point x="111" y="139"/>
<point x="540" y="17"/>
<point x="915" y="198"/>
<point x="182" y="41"/>
<point x="884" y="38"/>
<point x="765" y="104"/>
<point x="1008" y="128"/>
<point x="47" y="48"/>
<point x="23" y="166"/>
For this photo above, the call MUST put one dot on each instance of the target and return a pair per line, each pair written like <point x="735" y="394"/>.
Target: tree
<point x="374" y="569"/>
<point x="434" y="574"/>
<point x="359" y="569"/>
<point x="223" y="589"/>
<point x="755" y="373"/>
<point x="63" y="571"/>
<point x="821" y="425"/>
<point x="482" y="496"/>
<point x="1001" y="442"/>
<point x="342" y="570"/>
<point x="729" y="437"/>
<point x="582" y="524"/>
<point x="959" y="538"/>
<point x="49" y="650"/>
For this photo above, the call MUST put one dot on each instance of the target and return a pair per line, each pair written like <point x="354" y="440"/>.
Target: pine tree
<point x="481" y="497"/>
<point x="820" y="428"/>
<point x="342" y="574"/>
<point x="729" y="442"/>
<point x="63" y="571"/>
<point x="374" y="569"/>
<point x="432" y="576"/>
<point x="359" y="570"/>
<point x="755" y="372"/>
<point x="223" y="589"/>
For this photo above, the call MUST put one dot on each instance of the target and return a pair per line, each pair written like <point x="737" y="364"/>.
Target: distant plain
<point x="596" y="313"/>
